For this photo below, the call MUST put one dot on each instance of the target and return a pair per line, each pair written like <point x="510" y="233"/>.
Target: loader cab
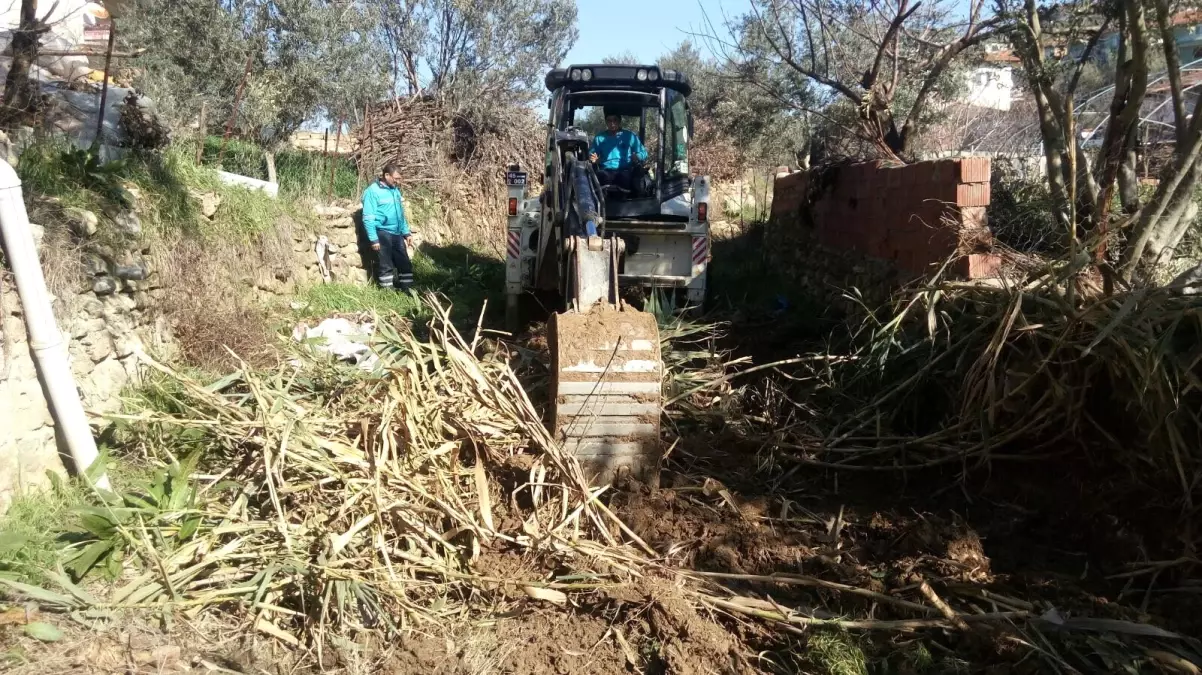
<point x="653" y="105"/>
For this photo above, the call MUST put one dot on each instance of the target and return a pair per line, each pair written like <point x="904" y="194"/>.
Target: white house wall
<point x="990" y="88"/>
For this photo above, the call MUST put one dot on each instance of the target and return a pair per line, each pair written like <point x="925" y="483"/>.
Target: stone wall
<point x="348" y="259"/>
<point x="110" y="315"/>
<point x="113" y="308"/>
<point x="873" y="226"/>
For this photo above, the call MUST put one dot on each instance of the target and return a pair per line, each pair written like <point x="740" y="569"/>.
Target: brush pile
<point x="427" y="140"/>
<point x="327" y="503"/>
<point x="964" y="374"/>
<point x="321" y="506"/>
<point x="458" y="158"/>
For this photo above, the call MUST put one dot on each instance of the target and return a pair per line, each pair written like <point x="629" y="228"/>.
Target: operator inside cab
<point x="614" y="153"/>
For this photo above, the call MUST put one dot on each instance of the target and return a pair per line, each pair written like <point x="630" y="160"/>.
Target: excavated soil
<point x="574" y="338"/>
<point x="645" y="628"/>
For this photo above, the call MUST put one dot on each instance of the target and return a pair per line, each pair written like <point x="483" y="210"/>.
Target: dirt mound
<point x="712" y="528"/>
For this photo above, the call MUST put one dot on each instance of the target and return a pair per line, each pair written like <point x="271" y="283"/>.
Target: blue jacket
<point x="383" y="210"/>
<point x="614" y="150"/>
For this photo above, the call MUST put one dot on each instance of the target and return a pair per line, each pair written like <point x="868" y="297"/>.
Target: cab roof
<point x="617" y="76"/>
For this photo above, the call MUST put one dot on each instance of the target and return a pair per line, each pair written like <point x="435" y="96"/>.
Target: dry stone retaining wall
<point x="348" y="259"/>
<point x="110" y="317"/>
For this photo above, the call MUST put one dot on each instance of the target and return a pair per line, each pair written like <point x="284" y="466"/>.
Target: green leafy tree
<point x="289" y="59"/>
<point x="474" y="53"/>
<point x="734" y="107"/>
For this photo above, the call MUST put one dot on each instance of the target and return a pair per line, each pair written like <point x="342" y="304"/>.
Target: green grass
<point x="166" y="185"/>
<point x="308" y="174"/>
<point x="834" y="652"/>
<point x="32" y="529"/>
<point x="29" y="529"/>
<point x="467" y="278"/>
<point x="52" y="167"/>
<point x="338" y="298"/>
<point x="299" y="173"/>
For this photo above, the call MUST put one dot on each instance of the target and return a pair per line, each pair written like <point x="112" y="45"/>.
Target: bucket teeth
<point x="607" y="382"/>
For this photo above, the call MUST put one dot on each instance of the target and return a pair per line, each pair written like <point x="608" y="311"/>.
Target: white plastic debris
<point x="342" y="338"/>
<point x="323" y="257"/>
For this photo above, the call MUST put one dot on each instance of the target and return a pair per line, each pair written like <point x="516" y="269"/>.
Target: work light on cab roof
<point x="617" y="76"/>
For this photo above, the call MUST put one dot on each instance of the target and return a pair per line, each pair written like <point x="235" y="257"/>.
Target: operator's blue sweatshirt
<point x="383" y="210"/>
<point x="614" y="150"/>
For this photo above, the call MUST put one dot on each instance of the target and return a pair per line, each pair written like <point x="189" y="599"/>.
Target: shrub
<point x="1020" y="214"/>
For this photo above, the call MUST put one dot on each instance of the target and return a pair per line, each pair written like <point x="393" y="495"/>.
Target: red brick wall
<point x="914" y="216"/>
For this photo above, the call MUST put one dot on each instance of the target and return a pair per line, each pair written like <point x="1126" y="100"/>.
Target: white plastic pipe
<point x="272" y="189"/>
<point x="49" y="348"/>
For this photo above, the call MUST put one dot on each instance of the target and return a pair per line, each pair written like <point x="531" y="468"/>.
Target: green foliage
<point x="161" y="511"/>
<point x="299" y="173"/>
<point x="58" y="169"/>
<point x="167" y="183"/>
<point x="104" y="178"/>
<point x="29" y="529"/>
<point x="324" y="300"/>
<point x="767" y="129"/>
<point x="305" y="57"/>
<point x="478" y="54"/>
<point x="834" y="652"/>
<point x="308" y="174"/>
<point x="1021" y="215"/>
<point x="239" y="156"/>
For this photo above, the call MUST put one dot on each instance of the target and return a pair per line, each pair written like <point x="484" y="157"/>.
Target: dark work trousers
<point x="619" y="178"/>
<point x="395" y="269"/>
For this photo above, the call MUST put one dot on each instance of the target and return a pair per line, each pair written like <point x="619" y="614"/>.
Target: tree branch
<point x="1172" y="65"/>
<point x="949" y="52"/>
<point x="792" y="63"/>
<point x="902" y="14"/>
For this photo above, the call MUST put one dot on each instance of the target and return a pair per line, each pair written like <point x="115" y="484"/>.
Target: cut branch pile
<point x="460" y="158"/>
<point x="426" y="139"/>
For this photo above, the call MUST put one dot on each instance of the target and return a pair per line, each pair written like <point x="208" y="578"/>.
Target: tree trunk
<point x="1175" y="222"/>
<point x="269" y="156"/>
<point x="1128" y="178"/>
<point x="19" y="91"/>
<point x="1129" y="92"/>
<point x="1087" y="187"/>
<point x="1054" y="153"/>
<point x="1164" y="211"/>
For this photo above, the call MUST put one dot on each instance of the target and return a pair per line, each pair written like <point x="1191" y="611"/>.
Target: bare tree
<point x="876" y="56"/>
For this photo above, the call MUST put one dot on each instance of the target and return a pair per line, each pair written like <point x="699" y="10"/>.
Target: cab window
<point x="676" y="155"/>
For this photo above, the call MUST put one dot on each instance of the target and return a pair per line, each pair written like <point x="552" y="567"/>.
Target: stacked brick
<point x="914" y="216"/>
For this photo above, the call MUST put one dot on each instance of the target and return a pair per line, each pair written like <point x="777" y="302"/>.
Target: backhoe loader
<point x="592" y="245"/>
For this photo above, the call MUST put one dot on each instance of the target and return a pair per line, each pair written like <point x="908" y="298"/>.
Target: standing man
<point x="387" y="229"/>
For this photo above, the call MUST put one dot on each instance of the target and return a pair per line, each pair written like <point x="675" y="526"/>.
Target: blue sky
<point x="647" y="28"/>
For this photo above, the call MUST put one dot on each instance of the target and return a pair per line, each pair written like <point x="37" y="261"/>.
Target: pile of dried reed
<point x="955" y="373"/>
<point x="315" y="504"/>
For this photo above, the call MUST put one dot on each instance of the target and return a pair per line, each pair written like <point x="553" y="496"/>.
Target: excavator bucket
<point x="606" y="372"/>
